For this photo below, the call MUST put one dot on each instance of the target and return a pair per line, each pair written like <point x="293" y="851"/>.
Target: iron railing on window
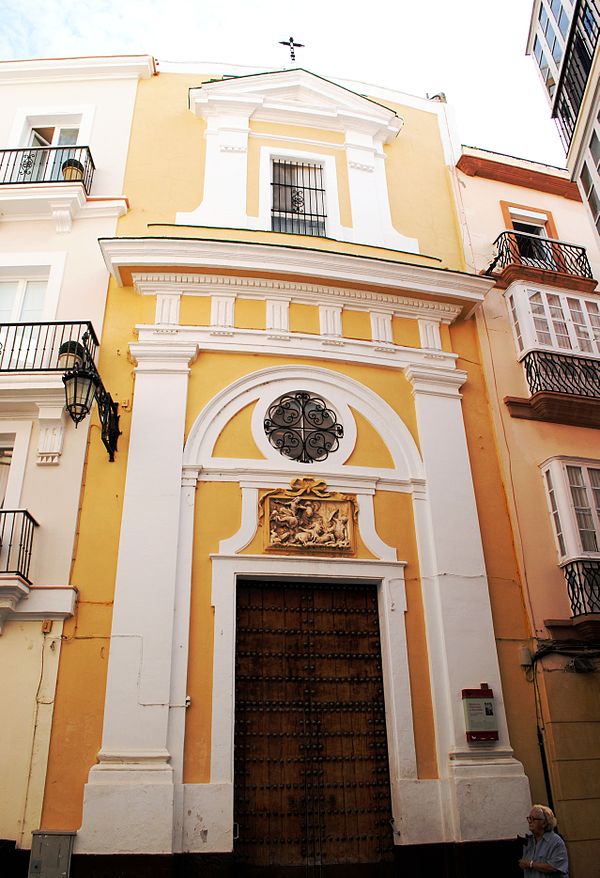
<point x="16" y="541"/>
<point x="522" y="248"/>
<point x="583" y="585"/>
<point x="47" y="164"/>
<point x="574" y="74"/>
<point x="298" y="198"/>
<point x="562" y="373"/>
<point x="45" y="347"/>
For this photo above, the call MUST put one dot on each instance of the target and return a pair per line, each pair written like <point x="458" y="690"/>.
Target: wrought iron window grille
<point x="301" y="427"/>
<point x="298" y="198"/>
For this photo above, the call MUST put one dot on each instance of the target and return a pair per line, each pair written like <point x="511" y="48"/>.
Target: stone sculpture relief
<point x="307" y="517"/>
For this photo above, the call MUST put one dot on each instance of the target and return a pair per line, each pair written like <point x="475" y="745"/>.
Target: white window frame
<point x="573" y="547"/>
<point x="594" y="173"/>
<point x="17" y="434"/>
<point x="26" y="119"/>
<point x="518" y="303"/>
<point x="37" y="266"/>
<point x="333" y="226"/>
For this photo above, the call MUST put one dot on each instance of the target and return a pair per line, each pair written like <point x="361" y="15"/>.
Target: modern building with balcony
<point x="563" y="40"/>
<point x="64" y="135"/>
<point x="539" y="332"/>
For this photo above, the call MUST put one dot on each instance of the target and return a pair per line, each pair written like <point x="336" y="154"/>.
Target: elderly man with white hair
<point x="544" y="852"/>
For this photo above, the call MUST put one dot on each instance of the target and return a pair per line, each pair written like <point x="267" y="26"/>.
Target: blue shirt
<point x="549" y="849"/>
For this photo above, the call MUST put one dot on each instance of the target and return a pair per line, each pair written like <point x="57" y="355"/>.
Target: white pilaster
<point x="381" y="327"/>
<point x="51" y="433"/>
<point x="486" y="788"/>
<point x="330" y="320"/>
<point x="222" y="312"/>
<point x="128" y="801"/>
<point x="429" y="332"/>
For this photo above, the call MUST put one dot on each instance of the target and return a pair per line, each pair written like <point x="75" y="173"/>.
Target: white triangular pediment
<point x="294" y="97"/>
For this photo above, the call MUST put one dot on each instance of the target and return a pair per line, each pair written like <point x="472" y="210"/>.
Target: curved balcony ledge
<point x="557" y="408"/>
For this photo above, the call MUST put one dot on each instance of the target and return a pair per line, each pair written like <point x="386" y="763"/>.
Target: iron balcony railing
<point x="583" y="585"/>
<point x="47" y="164"/>
<point x="522" y="248"/>
<point x="45" y="347"/>
<point x="16" y="541"/>
<point x="562" y="373"/>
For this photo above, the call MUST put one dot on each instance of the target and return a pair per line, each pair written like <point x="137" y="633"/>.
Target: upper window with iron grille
<point x="298" y="198"/>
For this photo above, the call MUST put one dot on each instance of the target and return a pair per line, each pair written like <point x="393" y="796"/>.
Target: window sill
<point x="556" y="408"/>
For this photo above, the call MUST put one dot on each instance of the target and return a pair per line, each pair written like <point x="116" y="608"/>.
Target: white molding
<point x="435" y="380"/>
<point x="368" y="530"/>
<point x="278" y="316"/>
<point x="330" y="320"/>
<point x="147" y="253"/>
<point x="198" y="284"/>
<point x="268" y="384"/>
<point x="64" y="69"/>
<point x="248" y="526"/>
<point x="296" y="97"/>
<point x="63" y="202"/>
<point x="226" y="569"/>
<point x="296" y="344"/>
<point x="46" y="602"/>
<point x="51" y="433"/>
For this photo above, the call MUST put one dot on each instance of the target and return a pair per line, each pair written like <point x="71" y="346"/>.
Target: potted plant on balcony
<point x="70" y="354"/>
<point x="72" y="170"/>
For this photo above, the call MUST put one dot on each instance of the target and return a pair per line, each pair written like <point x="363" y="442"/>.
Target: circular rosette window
<point x="302" y="428"/>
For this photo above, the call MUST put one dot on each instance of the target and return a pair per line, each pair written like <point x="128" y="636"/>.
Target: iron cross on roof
<point x="291" y="46"/>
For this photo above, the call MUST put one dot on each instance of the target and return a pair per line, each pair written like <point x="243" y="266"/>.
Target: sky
<point x="472" y="50"/>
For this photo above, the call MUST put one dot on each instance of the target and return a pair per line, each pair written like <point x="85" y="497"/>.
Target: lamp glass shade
<point x="80" y="390"/>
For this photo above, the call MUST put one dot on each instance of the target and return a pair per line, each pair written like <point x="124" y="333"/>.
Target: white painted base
<point x="491" y="800"/>
<point x="207" y="826"/>
<point x="127" y="818"/>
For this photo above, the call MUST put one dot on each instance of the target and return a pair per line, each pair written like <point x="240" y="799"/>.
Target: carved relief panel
<point x="307" y="517"/>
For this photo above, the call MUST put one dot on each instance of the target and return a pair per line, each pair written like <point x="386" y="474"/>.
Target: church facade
<point x="286" y="578"/>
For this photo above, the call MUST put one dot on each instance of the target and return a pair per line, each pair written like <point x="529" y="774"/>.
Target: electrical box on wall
<point x="480" y="714"/>
<point x="51" y="854"/>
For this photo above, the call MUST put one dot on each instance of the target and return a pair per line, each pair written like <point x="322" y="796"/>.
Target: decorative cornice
<point x="162" y="356"/>
<point x="63" y="69"/>
<point x="435" y="380"/>
<point x="305" y="346"/>
<point x="124" y="254"/>
<point x="260" y="288"/>
<point x="296" y="96"/>
<point x="519" y="175"/>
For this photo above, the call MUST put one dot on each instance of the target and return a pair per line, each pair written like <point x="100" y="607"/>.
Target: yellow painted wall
<point x="29" y="667"/>
<point x="236" y="439"/>
<point x="421" y="198"/>
<point x="356" y="324"/>
<point x="250" y="314"/>
<point x="370" y="449"/>
<point x="304" y="318"/>
<point x="195" y="310"/>
<point x="406" y="332"/>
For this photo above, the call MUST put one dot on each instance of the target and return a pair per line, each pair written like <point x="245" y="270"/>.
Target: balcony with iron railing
<point x="16" y="543"/>
<point x="45" y="347"/>
<point x="564" y="388"/>
<point x="48" y="164"/>
<point x="582" y="577"/>
<point x="525" y="256"/>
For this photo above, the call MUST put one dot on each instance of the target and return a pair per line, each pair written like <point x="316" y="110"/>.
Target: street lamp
<point x="82" y="385"/>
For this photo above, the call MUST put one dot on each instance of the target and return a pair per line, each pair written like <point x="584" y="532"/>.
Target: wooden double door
<point x="312" y="791"/>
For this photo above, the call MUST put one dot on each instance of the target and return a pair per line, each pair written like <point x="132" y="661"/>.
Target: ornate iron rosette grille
<point x="301" y="427"/>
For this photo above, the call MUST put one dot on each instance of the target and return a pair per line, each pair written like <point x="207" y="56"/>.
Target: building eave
<point x="126" y="255"/>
